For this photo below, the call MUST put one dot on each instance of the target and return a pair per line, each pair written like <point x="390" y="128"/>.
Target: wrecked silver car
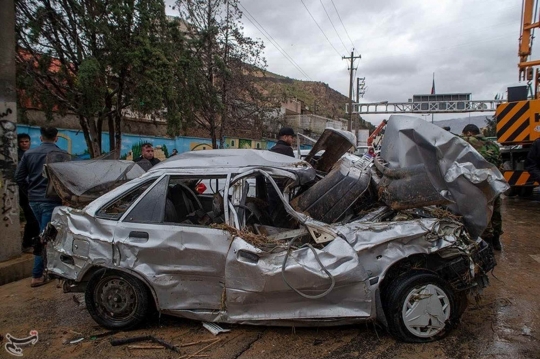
<point x="354" y="238"/>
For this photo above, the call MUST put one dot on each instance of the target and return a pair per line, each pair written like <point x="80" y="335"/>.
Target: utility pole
<point x="10" y="240"/>
<point x="351" y="68"/>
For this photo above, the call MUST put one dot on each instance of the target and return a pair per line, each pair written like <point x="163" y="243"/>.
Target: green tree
<point x="94" y="59"/>
<point x="491" y="128"/>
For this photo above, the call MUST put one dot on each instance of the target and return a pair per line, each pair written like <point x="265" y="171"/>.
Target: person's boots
<point x="496" y="242"/>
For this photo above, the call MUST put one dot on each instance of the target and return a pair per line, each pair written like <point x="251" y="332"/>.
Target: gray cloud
<point x="471" y="46"/>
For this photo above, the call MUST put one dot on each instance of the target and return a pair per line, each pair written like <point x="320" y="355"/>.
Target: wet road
<point x="505" y="323"/>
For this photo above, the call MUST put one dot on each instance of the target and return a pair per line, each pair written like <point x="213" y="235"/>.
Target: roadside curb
<point x="16" y="268"/>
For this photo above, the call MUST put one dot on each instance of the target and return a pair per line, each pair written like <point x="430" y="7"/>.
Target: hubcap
<point x="426" y="310"/>
<point x="115" y="298"/>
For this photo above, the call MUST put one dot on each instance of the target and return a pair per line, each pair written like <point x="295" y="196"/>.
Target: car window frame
<point x="100" y="215"/>
<point x="142" y="197"/>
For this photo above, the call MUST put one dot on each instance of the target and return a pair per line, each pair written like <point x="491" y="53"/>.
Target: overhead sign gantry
<point x="432" y="103"/>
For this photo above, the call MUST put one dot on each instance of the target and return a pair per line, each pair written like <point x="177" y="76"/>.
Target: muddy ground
<point x="505" y="324"/>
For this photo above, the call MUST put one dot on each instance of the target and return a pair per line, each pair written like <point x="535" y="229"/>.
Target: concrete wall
<point x="34" y="117"/>
<point x="313" y="124"/>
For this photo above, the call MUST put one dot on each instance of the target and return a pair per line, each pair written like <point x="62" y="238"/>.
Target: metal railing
<point x="425" y="107"/>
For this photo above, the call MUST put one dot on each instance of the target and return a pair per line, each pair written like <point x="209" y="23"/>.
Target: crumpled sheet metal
<point x="256" y="290"/>
<point x="79" y="236"/>
<point x="185" y="265"/>
<point x="454" y="168"/>
<point x="335" y="143"/>
<point x="379" y="245"/>
<point x="364" y="235"/>
<point x="91" y="177"/>
<point x="229" y="158"/>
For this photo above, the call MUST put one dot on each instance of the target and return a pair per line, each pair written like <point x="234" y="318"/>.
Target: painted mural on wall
<point x="200" y="146"/>
<point x="246" y="143"/>
<point x="73" y="142"/>
<point x="8" y="165"/>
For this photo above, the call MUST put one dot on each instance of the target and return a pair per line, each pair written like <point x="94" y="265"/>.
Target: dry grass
<point x="257" y="240"/>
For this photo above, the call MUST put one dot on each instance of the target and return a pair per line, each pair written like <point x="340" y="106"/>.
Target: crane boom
<point x="528" y="23"/>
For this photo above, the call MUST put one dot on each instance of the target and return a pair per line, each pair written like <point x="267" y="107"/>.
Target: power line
<point x="274" y="42"/>
<point x="337" y="52"/>
<point x="345" y="47"/>
<point x="337" y="12"/>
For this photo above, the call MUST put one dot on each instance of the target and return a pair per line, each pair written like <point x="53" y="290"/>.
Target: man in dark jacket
<point x="275" y="207"/>
<point x="285" y="140"/>
<point x="31" y="228"/>
<point x="532" y="164"/>
<point x="31" y="181"/>
<point x="147" y="160"/>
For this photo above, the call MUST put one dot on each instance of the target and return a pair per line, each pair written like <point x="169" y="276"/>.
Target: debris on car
<point x="80" y="182"/>
<point x="391" y="237"/>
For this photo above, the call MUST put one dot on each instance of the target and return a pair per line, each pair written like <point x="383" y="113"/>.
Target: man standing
<point x="286" y="137"/>
<point x="147" y="156"/>
<point x="31" y="228"/>
<point x="31" y="181"/>
<point x="491" y="153"/>
<point x="532" y="164"/>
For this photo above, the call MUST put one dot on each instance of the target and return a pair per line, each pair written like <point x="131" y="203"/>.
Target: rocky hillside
<point x="317" y="96"/>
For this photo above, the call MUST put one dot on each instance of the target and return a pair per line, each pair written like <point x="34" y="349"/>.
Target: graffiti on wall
<point x="8" y="166"/>
<point x="200" y="146"/>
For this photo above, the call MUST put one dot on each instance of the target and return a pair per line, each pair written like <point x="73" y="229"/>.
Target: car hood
<point x="454" y="169"/>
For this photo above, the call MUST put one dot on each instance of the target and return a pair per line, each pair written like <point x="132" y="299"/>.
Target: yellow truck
<point x="518" y="120"/>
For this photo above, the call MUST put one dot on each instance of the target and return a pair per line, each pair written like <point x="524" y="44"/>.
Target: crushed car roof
<point x="230" y="161"/>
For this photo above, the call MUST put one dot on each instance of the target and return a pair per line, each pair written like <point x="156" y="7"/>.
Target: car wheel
<point x="420" y="307"/>
<point x="116" y="300"/>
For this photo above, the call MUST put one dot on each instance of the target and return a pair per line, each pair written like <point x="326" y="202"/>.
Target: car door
<point x="325" y="283"/>
<point x="184" y="263"/>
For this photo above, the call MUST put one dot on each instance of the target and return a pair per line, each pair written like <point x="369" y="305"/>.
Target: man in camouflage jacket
<point x="490" y="151"/>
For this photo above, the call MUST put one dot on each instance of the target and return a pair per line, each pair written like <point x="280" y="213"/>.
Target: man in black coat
<point x="31" y="228"/>
<point x="285" y="140"/>
<point x="284" y="146"/>
<point x="31" y="182"/>
<point x="147" y="160"/>
<point x="532" y="164"/>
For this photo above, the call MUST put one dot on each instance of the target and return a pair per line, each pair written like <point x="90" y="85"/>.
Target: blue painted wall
<point x="73" y="142"/>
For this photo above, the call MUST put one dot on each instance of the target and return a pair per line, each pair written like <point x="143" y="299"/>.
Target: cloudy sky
<point x="471" y="46"/>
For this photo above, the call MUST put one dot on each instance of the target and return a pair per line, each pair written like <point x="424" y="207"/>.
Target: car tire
<point x="116" y="300"/>
<point x="420" y="307"/>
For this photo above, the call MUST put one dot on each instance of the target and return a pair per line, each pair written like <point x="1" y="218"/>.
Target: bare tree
<point x="224" y="69"/>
